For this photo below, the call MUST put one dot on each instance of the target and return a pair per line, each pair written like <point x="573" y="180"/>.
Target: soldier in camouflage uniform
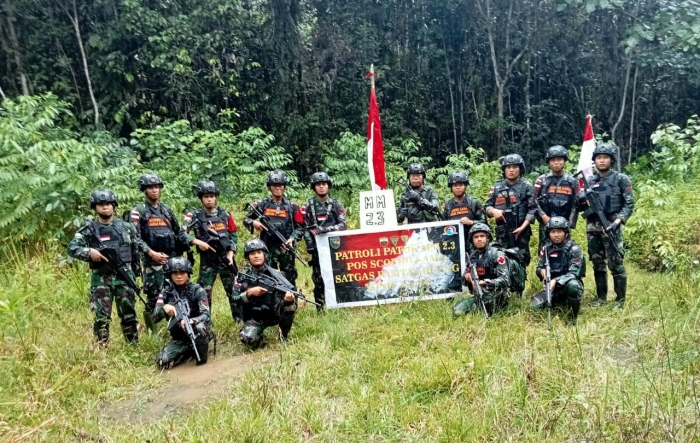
<point x="285" y="216"/>
<point x="615" y="191"/>
<point x="555" y="192"/>
<point x="322" y="214"/>
<point x="261" y="308"/>
<point x="105" y="287"/>
<point x="492" y="269"/>
<point x="463" y="207"/>
<point x="420" y="203"/>
<point x="159" y="231"/>
<point x="221" y="221"/>
<point x="512" y="193"/>
<point x="179" y="348"/>
<point x="567" y="269"/>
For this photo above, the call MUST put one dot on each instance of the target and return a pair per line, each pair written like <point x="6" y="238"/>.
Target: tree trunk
<point x="634" y="104"/>
<point x="15" y="48"/>
<point x="452" y="99"/>
<point x="499" y="134"/>
<point x="622" y="114"/>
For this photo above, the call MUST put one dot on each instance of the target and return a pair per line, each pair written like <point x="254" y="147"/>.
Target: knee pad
<point x="163" y="361"/>
<point x="252" y="334"/>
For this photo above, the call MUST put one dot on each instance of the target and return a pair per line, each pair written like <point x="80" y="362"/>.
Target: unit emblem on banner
<point x="450" y="230"/>
<point x="334" y="242"/>
<point x="384" y="241"/>
<point x="404" y="238"/>
<point x="394" y="240"/>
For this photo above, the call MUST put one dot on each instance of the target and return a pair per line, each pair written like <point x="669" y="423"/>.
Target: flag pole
<point x="371" y="74"/>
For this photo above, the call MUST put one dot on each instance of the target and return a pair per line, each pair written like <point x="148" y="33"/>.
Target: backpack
<point x="515" y="269"/>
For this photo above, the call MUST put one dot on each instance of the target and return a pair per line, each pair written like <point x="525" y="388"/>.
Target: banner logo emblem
<point x="334" y="242"/>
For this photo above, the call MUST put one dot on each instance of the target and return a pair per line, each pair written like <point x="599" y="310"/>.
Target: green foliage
<point x="482" y="173"/>
<point x="47" y="174"/>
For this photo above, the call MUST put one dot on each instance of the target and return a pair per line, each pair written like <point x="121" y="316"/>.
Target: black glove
<point x="413" y="196"/>
<point x="402" y="215"/>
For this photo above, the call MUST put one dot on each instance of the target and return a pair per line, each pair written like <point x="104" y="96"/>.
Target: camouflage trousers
<point x="104" y="290"/>
<point x="153" y="280"/>
<point x="493" y="302"/>
<point x="317" y="279"/>
<point x="602" y="252"/>
<point x="280" y="259"/>
<point x="176" y="352"/>
<point x="567" y="296"/>
<point x="207" y="277"/>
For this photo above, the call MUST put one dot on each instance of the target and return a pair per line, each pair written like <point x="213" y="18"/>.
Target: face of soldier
<point x="277" y="191"/>
<point x="557" y="236"/>
<point x="480" y="240"/>
<point x="556" y="165"/>
<point x="256" y="258"/>
<point x="209" y="201"/>
<point x="104" y="210"/>
<point x="603" y="162"/>
<point x="458" y="189"/>
<point x="153" y="193"/>
<point x="180" y="278"/>
<point x="512" y="172"/>
<point x="416" y="180"/>
<point x="321" y="189"/>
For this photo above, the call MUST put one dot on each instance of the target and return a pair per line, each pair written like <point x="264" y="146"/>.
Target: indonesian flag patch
<point x="105" y="237"/>
<point x="501" y="260"/>
<point x="554" y="254"/>
<point x="321" y="217"/>
<point x="135" y="216"/>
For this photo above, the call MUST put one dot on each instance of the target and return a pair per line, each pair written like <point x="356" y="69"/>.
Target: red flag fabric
<point x="375" y="145"/>
<point x="585" y="162"/>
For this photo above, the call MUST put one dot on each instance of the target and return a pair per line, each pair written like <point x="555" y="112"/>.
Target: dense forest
<point x="499" y="75"/>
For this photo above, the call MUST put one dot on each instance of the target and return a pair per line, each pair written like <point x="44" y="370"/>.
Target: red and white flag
<point x="375" y="146"/>
<point x="585" y="162"/>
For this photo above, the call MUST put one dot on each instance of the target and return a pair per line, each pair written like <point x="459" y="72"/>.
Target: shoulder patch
<point x="501" y="260"/>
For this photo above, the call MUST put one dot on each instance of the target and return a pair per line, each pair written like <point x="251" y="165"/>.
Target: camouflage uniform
<point x="266" y="310"/>
<point x="105" y="287"/>
<point x="568" y="267"/>
<point x="524" y="206"/>
<point x="491" y="265"/>
<point x="322" y="217"/>
<point x="209" y="266"/>
<point x="159" y="230"/>
<point x="615" y="191"/>
<point x="423" y="210"/>
<point x="556" y="196"/>
<point x="470" y="207"/>
<point x="179" y="348"/>
<point x="286" y="217"/>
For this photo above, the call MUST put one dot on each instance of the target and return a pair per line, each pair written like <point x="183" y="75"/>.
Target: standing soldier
<point x="555" y="192"/>
<point x="105" y="286"/>
<point x="160" y="232"/>
<point x="322" y="214"/>
<point x="512" y="203"/>
<point x="220" y="221"/>
<point x="492" y="269"/>
<point x="180" y="349"/>
<point x="419" y="203"/>
<point x="260" y="307"/>
<point x="282" y="214"/>
<point x="462" y="206"/>
<point x="567" y="269"/>
<point x="605" y="247"/>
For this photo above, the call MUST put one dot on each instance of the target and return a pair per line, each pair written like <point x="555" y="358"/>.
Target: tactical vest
<point x="484" y="265"/>
<point x="156" y="229"/>
<point x="267" y="307"/>
<point x="517" y="194"/>
<point x="456" y="210"/>
<point x="557" y="196"/>
<point x="320" y="213"/>
<point x="170" y="295"/>
<point x="608" y="188"/>
<point x="112" y="236"/>
<point x="219" y="223"/>
<point x="415" y="214"/>
<point x="280" y="216"/>
<point x="560" y="258"/>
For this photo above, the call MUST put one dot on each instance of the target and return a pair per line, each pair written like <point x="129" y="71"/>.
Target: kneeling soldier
<point x="260" y="307"/>
<point x="567" y="269"/>
<point x="492" y="270"/>
<point x="105" y="285"/>
<point x="195" y="310"/>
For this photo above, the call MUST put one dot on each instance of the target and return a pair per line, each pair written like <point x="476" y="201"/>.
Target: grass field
<point x="406" y="372"/>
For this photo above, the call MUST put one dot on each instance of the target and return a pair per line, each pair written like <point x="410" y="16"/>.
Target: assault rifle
<point x="435" y="211"/>
<point x="274" y="232"/>
<point x="478" y="291"/>
<point x="547" y="287"/>
<point x="182" y="314"/>
<point x="273" y="285"/>
<point x="595" y="206"/>
<point x="213" y="240"/>
<point x="115" y="264"/>
<point x="511" y="223"/>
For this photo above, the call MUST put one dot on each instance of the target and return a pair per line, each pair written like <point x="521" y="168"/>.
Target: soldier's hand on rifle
<point x="289" y="297"/>
<point x="229" y="256"/>
<point x="169" y="310"/>
<point x="290" y="243"/>
<point x="466" y="221"/>
<point x="543" y="273"/>
<point x="258" y="226"/>
<point x="552" y="284"/>
<point x="413" y="196"/>
<point x="468" y="277"/>
<point x="158" y="257"/>
<point x="182" y="324"/>
<point x="519" y="231"/>
<point x="614" y="225"/>
<point x="96" y="255"/>
<point x="498" y="214"/>
<point x="203" y="246"/>
<point x="545" y="219"/>
<point x="255" y="291"/>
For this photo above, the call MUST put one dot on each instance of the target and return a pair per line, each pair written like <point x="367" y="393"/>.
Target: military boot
<point x="620" y="285"/>
<point x="131" y="333"/>
<point x="203" y="351"/>
<point x="601" y="288"/>
<point x="101" y="333"/>
<point x="575" y="307"/>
